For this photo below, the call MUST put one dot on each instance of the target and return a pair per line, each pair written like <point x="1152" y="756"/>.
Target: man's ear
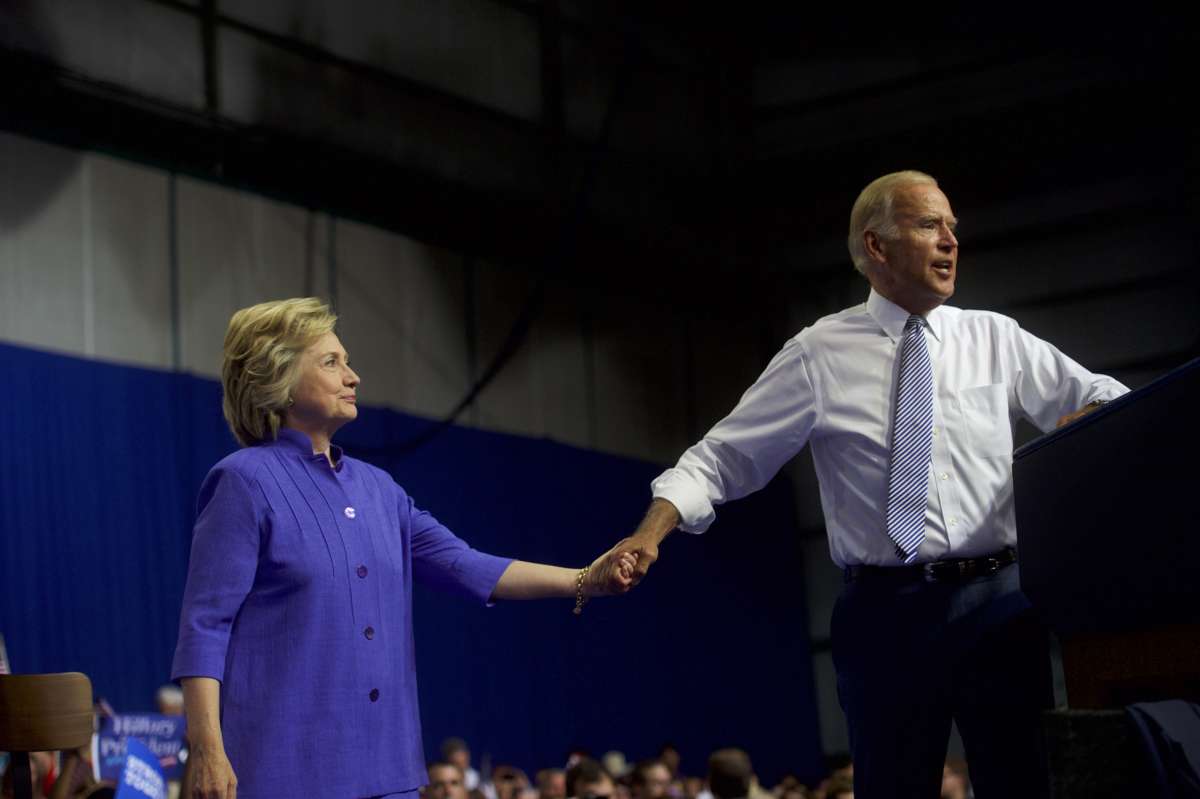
<point x="874" y="244"/>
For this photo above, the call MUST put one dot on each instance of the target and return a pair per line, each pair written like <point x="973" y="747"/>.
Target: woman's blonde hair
<point x="873" y="211"/>
<point x="262" y="346"/>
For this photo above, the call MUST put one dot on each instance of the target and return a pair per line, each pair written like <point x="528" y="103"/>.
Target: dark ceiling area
<point x="719" y="140"/>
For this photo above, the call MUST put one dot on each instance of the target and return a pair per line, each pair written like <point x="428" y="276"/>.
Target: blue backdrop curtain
<point x="99" y="469"/>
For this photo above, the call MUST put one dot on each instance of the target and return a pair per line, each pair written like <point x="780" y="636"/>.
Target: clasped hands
<point x="626" y="564"/>
<point x="619" y="569"/>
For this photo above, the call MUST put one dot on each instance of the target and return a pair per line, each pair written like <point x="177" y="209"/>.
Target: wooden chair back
<point x="42" y="713"/>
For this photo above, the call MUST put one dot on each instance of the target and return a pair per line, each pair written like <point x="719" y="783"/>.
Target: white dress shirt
<point x="833" y="385"/>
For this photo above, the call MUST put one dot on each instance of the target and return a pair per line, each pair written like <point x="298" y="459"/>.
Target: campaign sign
<point x="141" y="776"/>
<point x="162" y="735"/>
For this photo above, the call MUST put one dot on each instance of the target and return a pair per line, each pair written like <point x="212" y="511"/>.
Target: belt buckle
<point x="936" y="571"/>
<point x="990" y="565"/>
<point x="945" y="571"/>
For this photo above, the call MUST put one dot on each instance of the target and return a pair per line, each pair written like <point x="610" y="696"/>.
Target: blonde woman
<point x="295" y="644"/>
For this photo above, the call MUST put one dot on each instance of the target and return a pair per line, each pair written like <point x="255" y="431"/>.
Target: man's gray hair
<point x="873" y="211"/>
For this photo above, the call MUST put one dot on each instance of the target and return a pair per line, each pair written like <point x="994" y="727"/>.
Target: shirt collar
<point x="892" y="318"/>
<point x="301" y="445"/>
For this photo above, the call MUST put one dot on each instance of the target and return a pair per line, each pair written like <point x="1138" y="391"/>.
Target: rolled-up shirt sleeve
<point x="444" y="561"/>
<point x="221" y="570"/>
<point x="741" y="453"/>
<point x="1051" y="385"/>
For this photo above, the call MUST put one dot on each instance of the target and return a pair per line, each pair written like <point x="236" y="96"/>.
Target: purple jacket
<point x="299" y="600"/>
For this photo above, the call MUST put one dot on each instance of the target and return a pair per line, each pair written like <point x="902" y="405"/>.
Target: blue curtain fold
<point x="99" y="470"/>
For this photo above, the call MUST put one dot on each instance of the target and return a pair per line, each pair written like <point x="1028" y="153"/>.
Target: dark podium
<point x="1108" y="525"/>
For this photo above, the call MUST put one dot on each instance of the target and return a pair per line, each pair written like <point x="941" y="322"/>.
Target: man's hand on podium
<point x="1084" y="411"/>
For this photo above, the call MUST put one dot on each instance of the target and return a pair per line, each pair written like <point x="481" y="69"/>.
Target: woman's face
<point x="324" y="396"/>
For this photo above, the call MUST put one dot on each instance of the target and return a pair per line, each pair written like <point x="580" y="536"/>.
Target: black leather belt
<point x="941" y="571"/>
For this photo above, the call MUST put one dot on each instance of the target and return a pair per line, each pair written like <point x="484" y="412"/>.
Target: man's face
<point x="916" y="270"/>
<point x="446" y="782"/>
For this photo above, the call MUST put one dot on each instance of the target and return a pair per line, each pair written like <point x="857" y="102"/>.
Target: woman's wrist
<point x="206" y="743"/>
<point x="584" y="588"/>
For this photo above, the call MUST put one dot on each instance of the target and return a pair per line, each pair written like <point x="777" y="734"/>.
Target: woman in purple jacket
<point x="295" y="643"/>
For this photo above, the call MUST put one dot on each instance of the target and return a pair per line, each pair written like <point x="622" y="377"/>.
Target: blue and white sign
<point x="161" y="735"/>
<point x="141" y="776"/>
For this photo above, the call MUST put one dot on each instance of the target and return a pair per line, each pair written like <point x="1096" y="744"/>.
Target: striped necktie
<point x="912" y="444"/>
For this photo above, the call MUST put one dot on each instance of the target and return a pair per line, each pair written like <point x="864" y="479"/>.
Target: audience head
<point x="169" y="699"/>
<point x="840" y="787"/>
<point x="840" y="765"/>
<point x="668" y="755"/>
<point x="509" y="782"/>
<point x="650" y="779"/>
<point x="729" y="773"/>
<point x="446" y="781"/>
<point x="40" y="764"/>
<point x="551" y="783"/>
<point x="954" y="780"/>
<point x="790" y="787"/>
<point x="615" y="764"/>
<point x="454" y="750"/>
<point x="587" y="779"/>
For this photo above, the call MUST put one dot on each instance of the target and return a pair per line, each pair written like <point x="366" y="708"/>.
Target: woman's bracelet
<point x="579" y="598"/>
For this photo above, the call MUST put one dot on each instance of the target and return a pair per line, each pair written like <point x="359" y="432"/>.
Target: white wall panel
<point x="1112" y="330"/>
<point x="401" y="316"/>
<point x="235" y="250"/>
<point x="42" y="282"/>
<point x="264" y="85"/>
<point x="560" y="362"/>
<point x="482" y="51"/>
<point x="130" y="264"/>
<point x="141" y="45"/>
<point x="511" y="402"/>
<point x="640" y="382"/>
<point x="1103" y="256"/>
<point x="543" y="391"/>
<point x="727" y="356"/>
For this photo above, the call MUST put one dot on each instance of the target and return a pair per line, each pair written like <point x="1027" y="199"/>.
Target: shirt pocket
<point x="985" y="415"/>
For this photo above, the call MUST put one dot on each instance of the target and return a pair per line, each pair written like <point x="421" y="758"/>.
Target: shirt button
<point x="944" y="476"/>
<point x="935" y="432"/>
<point x="369" y="632"/>
<point x="361" y="571"/>
<point x="374" y="694"/>
<point x="953" y="521"/>
<point x="349" y="513"/>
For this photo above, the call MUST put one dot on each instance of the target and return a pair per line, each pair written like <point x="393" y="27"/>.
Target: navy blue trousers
<point x="911" y="656"/>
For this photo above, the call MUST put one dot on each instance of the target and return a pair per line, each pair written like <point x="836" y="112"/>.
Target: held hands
<point x="626" y="564"/>
<point x="609" y="574"/>
<point x="661" y="518"/>
<point x="643" y="549"/>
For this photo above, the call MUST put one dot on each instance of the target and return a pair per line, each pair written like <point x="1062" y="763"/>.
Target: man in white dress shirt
<point x="941" y="630"/>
